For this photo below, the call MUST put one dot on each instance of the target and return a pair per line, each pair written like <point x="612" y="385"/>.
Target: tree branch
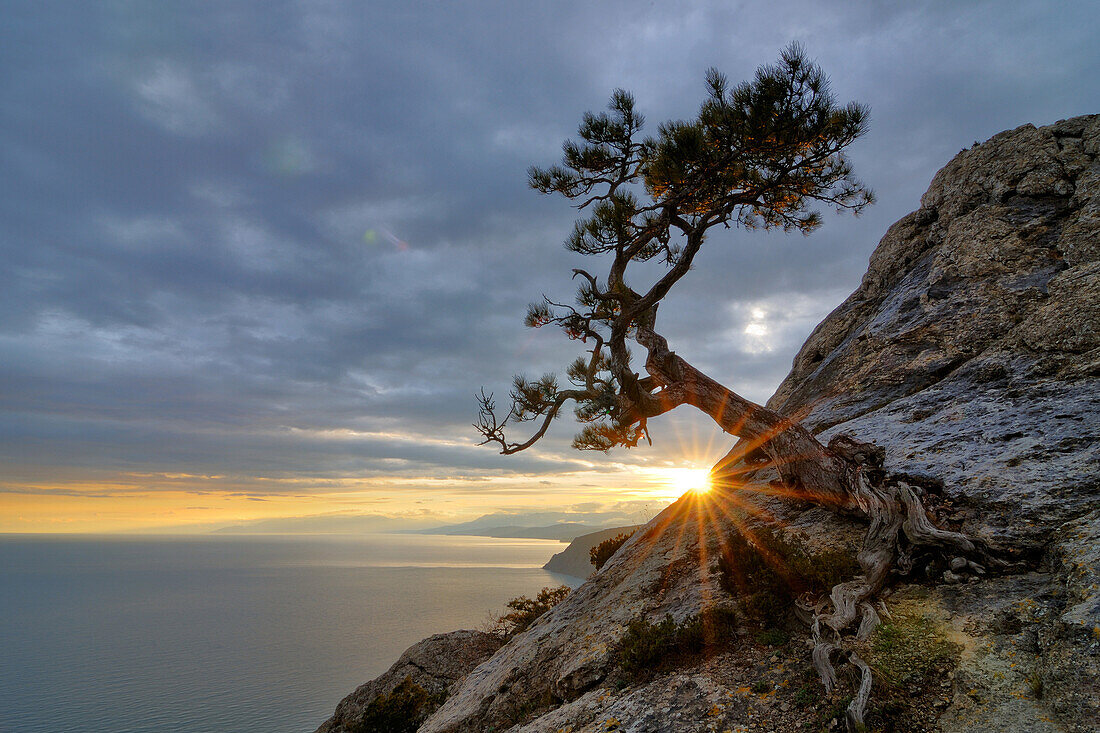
<point x="492" y="429"/>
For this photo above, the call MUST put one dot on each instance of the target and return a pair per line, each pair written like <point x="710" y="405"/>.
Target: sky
<point x="256" y="258"/>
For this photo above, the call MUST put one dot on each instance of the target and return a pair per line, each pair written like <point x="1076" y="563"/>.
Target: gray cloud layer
<point x="227" y="228"/>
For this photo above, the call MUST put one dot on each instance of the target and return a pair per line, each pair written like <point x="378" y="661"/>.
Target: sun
<point x="683" y="480"/>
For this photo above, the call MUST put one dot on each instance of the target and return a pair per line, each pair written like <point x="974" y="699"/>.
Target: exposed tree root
<point x="899" y="533"/>
<point x="854" y="715"/>
<point x="846" y="476"/>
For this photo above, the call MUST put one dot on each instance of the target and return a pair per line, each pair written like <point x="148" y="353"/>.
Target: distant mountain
<point x="565" y="531"/>
<point x="547" y="525"/>
<point x="564" y="526"/>
<point x="321" y="524"/>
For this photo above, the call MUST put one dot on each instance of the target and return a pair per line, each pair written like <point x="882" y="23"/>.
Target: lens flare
<point x="683" y="480"/>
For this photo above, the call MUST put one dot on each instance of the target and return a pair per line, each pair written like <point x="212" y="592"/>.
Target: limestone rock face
<point x="436" y="664"/>
<point x="971" y="354"/>
<point x="971" y="350"/>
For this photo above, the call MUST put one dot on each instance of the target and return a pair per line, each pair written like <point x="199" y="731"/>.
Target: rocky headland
<point x="574" y="560"/>
<point x="970" y="354"/>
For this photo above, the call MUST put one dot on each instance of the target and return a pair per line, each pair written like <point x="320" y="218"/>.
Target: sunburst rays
<point x="700" y="524"/>
<point x="715" y="527"/>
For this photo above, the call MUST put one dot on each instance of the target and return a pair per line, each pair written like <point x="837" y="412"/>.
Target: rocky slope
<point x="971" y="353"/>
<point x="435" y="664"/>
<point x="970" y="347"/>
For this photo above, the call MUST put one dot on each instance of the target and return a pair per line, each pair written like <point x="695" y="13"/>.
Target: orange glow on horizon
<point x="77" y="500"/>
<point x="104" y="502"/>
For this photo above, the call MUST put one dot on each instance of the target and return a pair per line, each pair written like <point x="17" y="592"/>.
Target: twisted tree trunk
<point x="845" y="476"/>
<point x="806" y="466"/>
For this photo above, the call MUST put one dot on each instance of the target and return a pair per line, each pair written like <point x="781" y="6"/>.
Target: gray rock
<point x="971" y="350"/>
<point x="436" y="664"/>
<point x="673" y="703"/>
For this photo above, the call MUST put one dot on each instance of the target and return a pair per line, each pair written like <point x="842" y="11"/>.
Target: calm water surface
<point x="220" y="635"/>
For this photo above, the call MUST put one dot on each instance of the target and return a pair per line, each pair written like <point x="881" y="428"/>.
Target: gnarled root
<point x="899" y="533"/>
<point x="856" y="708"/>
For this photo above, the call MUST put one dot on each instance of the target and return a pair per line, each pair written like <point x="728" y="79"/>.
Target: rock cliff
<point x="574" y="560"/>
<point x="971" y="354"/>
<point x="434" y="664"/>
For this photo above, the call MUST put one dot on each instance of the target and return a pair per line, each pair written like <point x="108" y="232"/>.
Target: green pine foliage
<point x="601" y="553"/>
<point x="525" y="610"/>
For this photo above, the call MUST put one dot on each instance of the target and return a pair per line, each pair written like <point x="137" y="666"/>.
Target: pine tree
<point x="759" y="155"/>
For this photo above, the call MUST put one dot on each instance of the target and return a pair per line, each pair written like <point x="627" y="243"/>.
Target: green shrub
<point x="772" y="637"/>
<point x="525" y="610"/>
<point x="401" y="711"/>
<point x="710" y="628"/>
<point x="601" y="553"/>
<point x="806" y="696"/>
<point x="766" y="572"/>
<point x="645" y="646"/>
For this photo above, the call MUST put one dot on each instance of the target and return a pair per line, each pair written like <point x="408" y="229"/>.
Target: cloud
<point x="168" y="94"/>
<point x="290" y="240"/>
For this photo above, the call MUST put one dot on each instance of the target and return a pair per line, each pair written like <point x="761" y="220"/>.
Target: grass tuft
<point x="1035" y="684"/>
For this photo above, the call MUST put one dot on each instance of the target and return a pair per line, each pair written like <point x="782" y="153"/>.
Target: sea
<point x="219" y="634"/>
